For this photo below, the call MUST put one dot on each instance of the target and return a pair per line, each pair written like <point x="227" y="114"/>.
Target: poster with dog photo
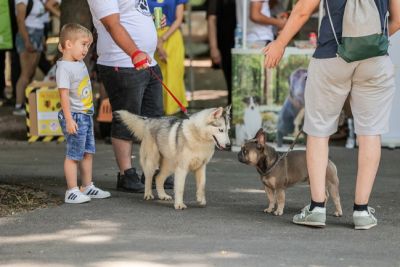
<point x="267" y="99"/>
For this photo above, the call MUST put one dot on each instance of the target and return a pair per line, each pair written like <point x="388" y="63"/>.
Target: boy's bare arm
<point x="71" y="126"/>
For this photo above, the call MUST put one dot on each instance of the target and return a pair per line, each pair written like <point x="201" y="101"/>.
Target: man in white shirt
<point x="127" y="40"/>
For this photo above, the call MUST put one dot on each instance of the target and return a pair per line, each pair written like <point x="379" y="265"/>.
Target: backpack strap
<point x="29" y="7"/>
<point x="386" y="24"/>
<point x="330" y="20"/>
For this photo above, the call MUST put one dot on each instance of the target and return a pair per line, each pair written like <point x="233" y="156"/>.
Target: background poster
<point x="48" y="106"/>
<point x="258" y="94"/>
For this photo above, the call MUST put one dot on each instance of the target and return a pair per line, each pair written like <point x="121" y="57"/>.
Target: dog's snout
<point x="228" y="146"/>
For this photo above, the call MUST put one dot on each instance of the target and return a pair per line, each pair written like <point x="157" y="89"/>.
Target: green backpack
<point x="362" y="35"/>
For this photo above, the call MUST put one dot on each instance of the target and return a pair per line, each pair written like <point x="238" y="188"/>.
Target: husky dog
<point x="277" y="175"/>
<point x="178" y="146"/>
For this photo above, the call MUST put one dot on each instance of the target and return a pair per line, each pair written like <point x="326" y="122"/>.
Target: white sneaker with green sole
<point x="364" y="220"/>
<point x="314" y="218"/>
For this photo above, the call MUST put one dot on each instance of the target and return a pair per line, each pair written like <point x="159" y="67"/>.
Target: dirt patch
<point x="20" y="198"/>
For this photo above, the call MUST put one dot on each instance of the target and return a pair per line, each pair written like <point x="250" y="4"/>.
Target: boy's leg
<point x="86" y="166"/>
<point x="71" y="172"/>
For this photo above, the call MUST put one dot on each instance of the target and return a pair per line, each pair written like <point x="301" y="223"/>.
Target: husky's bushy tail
<point x="136" y="124"/>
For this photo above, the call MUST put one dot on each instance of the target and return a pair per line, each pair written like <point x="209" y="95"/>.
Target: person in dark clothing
<point x="221" y="20"/>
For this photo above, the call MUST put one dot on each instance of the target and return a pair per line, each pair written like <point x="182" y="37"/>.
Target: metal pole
<point x="244" y="21"/>
<point x="190" y="45"/>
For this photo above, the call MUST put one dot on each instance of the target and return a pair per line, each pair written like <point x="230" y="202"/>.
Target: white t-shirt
<point x="136" y="18"/>
<point x="73" y="75"/>
<point x="34" y="19"/>
<point x="256" y="32"/>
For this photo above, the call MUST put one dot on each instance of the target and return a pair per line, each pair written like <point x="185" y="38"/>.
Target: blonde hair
<point x="71" y="31"/>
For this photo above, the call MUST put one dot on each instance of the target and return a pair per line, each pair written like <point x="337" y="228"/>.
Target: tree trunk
<point x="76" y="11"/>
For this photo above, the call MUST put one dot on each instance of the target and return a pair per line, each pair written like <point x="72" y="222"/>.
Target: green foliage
<point x="248" y="80"/>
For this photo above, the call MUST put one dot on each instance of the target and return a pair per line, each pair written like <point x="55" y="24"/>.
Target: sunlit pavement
<point x="231" y="231"/>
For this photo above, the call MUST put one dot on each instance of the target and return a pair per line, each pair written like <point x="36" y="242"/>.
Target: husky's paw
<point x="148" y="196"/>
<point x="165" y="197"/>
<point x="338" y="214"/>
<point x="180" y="206"/>
<point x="269" y="210"/>
<point x="202" y="202"/>
<point x="278" y="212"/>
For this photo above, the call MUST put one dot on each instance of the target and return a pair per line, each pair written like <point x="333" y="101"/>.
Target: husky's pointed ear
<point x="217" y="113"/>
<point x="260" y="136"/>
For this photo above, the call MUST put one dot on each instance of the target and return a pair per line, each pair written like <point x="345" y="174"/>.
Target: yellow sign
<point x="48" y="106"/>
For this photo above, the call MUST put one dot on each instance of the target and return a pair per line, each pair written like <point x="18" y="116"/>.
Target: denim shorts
<point x="136" y="91"/>
<point x="83" y="141"/>
<point x="35" y="36"/>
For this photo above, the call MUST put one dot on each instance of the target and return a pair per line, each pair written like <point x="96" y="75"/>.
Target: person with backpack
<point x="29" y="44"/>
<point x="350" y="59"/>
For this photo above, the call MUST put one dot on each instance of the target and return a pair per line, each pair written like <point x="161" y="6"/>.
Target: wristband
<point x="140" y="63"/>
<point x="134" y="54"/>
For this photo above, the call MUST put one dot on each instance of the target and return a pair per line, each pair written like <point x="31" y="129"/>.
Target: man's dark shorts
<point x="137" y="91"/>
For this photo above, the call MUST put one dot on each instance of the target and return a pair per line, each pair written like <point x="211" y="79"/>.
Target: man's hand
<point x="163" y="21"/>
<point x="273" y="54"/>
<point x="161" y="51"/>
<point x="29" y="47"/>
<point x="141" y="61"/>
<point x="72" y="127"/>
<point x="215" y="56"/>
<point x="281" y="23"/>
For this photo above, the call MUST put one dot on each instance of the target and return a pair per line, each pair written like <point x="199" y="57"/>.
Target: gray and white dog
<point x="178" y="146"/>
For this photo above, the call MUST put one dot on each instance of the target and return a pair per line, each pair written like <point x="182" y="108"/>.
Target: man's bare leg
<point x="317" y="162"/>
<point x="369" y="155"/>
<point x="123" y="153"/>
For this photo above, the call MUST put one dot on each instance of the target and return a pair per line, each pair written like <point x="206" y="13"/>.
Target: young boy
<point x="75" y="118"/>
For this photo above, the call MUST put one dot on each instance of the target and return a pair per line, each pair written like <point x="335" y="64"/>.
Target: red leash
<point x="144" y="61"/>
<point x="182" y="107"/>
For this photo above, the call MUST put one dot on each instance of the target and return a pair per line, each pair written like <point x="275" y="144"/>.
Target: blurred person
<point x="170" y="53"/>
<point x="76" y="116"/>
<point x="53" y="9"/>
<point x="29" y="44"/>
<point x="260" y="23"/>
<point x="221" y="21"/>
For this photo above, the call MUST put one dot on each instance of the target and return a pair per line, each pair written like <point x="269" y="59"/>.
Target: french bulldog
<point x="278" y="173"/>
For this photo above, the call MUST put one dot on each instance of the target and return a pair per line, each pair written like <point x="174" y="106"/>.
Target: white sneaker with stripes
<point x="75" y="196"/>
<point x="95" y="192"/>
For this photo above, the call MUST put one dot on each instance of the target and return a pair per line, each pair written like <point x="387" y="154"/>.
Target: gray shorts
<point x="370" y="84"/>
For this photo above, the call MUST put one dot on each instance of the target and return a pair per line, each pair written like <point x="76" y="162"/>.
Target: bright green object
<point x="157" y="17"/>
<point x="6" y="41"/>
<point x="371" y="46"/>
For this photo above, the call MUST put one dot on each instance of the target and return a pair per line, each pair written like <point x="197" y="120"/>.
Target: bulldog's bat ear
<point x="260" y="136"/>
